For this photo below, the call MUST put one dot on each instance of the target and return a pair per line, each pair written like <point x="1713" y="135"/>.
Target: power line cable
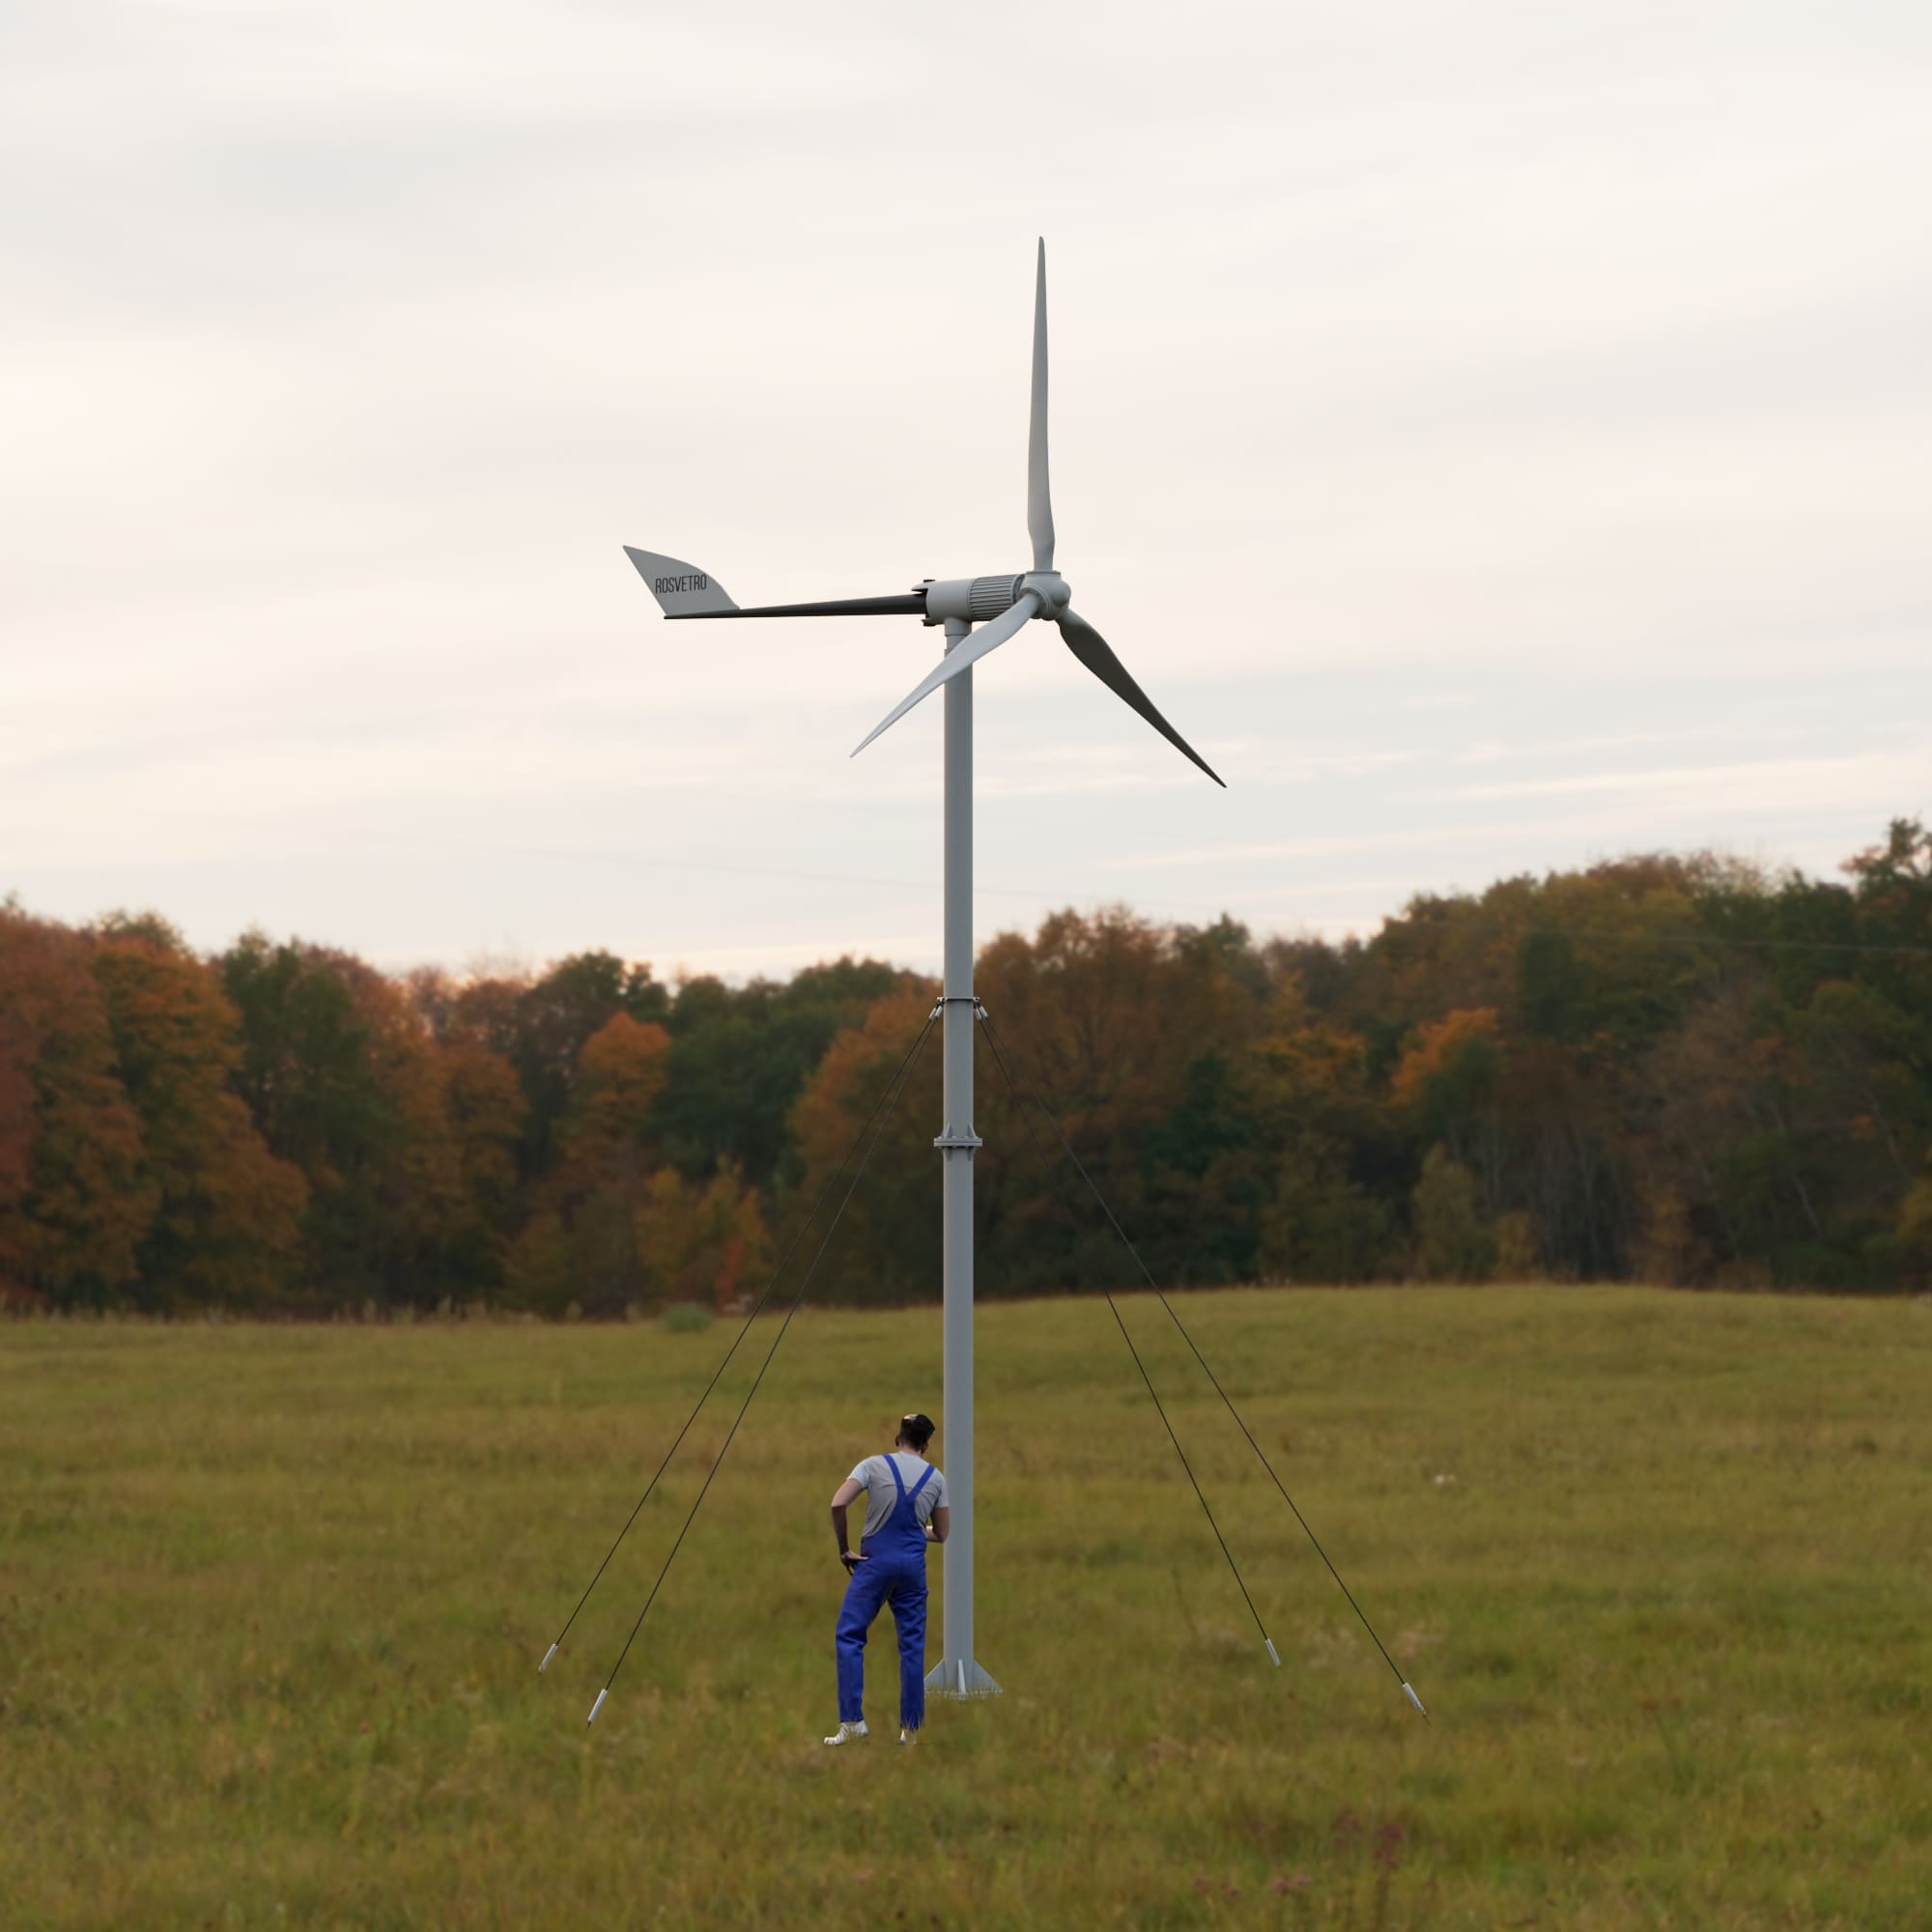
<point x="791" y="1247"/>
<point x="882" y="1116"/>
<point x="993" y="1039"/>
<point x="1159" y="1408"/>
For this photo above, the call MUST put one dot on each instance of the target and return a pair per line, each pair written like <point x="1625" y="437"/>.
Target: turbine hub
<point x="1050" y="587"/>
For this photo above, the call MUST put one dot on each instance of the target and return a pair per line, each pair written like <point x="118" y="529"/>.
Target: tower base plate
<point x="954" y="1677"/>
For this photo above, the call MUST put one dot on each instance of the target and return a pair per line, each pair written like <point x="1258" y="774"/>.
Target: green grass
<point x="271" y="1601"/>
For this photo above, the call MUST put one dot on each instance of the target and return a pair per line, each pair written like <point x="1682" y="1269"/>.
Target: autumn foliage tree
<point x="226" y="1224"/>
<point x="76" y="1196"/>
<point x="701" y="1242"/>
<point x="619" y="1074"/>
<point x="888" y="1246"/>
<point x="1681" y="1068"/>
<point x="583" y="1246"/>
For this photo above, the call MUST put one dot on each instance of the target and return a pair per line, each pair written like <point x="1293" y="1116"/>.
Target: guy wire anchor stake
<point x="545" y="1664"/>
<point x="1276" y="1655"/>
<point x="606" y="1692"/>
<point x="1414" y="1700"/>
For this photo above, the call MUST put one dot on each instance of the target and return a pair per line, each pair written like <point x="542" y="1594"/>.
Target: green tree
<point x="1310" y="1096"/>
<point x="1448" y="1082"/>
<point x="1915" y="1227"/>
<point x="739" y="1060"/>
<point x="343" y="1080"/>
<point x="1131" y="1035"/>
<point x="484" y="1105"/>
<point x="1453" y="1241"/>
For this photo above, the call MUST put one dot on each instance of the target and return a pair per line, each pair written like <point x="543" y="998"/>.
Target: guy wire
<point x="1160" y="1408"/>
<point x="882" y="1115"/>
<point x="993" y="1040"/>
<point x="758" y="1309"/>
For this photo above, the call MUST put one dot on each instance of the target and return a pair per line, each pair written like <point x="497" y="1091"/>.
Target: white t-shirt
<point x="882" y="1497"/>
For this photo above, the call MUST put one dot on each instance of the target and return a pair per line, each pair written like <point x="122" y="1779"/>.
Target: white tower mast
<point x="958" y="1674"/>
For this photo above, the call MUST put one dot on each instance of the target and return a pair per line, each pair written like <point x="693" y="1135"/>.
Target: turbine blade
<point x="987" y="638"/>
<point x="1091" y="648"/>
<point x="1039" y="497"/>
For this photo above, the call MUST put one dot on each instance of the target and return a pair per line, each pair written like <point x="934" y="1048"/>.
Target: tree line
<point x="1683" y="1070"/>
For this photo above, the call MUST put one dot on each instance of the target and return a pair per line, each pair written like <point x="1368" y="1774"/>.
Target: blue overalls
<point x="892" y="1573"/>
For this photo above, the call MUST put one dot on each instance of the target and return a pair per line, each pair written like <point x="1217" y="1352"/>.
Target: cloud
<point x="1405" y="837"/>
<point x="1875" y="781"/>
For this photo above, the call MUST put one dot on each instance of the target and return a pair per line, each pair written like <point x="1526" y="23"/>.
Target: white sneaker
<point x="849" y="1734"/>
<point x="907" y="1737"/>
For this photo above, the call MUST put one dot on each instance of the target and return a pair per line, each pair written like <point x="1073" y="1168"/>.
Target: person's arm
<point x="937" y="1530"/>
<point x="841" y="1498"/>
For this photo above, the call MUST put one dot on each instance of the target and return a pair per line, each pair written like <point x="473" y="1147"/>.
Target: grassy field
<point x="271" y="1601"/>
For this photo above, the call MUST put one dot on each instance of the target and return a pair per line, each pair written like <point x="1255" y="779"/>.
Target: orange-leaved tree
<point x="886" y="1244"/>
<point x="703" y="1241"/>
<point x="619" y="1074"/>
<point x="228" y="1219"/>
<point x="74" y="1198"/>
<point x="581" y="1246"/>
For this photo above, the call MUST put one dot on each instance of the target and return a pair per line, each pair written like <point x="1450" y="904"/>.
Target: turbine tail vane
<point x="1040" y="494"/>
<point x="1093" y="650"/>
<point x="682" y="590"/>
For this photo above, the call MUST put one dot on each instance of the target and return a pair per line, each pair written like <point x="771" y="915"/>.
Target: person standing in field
<point x="905" y="1510"/>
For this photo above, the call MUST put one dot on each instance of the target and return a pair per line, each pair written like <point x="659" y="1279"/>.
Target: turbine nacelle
<point x="974" y="600"/>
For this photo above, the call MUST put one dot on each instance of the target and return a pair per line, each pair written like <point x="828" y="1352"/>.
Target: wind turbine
<point x="1001" y="606"/>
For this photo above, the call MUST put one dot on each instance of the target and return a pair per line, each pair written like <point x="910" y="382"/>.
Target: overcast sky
<point x="1499" y="437"/>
